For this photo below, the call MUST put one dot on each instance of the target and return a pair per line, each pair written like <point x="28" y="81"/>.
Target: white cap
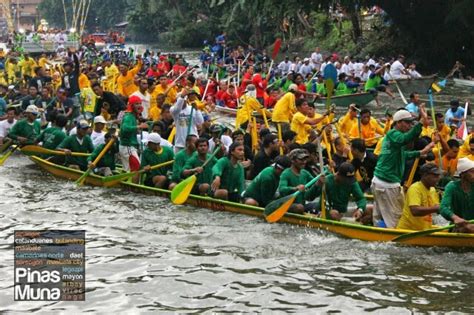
<point x="305" y="59"/>
<point x="153" y="138"/>
<point x="464" y="164"/>
<point x="402" y="114"/>
<point x="293" y="87"/>
<point x="99" y="119"/>
<point x="32" y="109"/>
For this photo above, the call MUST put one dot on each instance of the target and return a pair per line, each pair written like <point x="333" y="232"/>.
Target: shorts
<point x="125" y="152"/>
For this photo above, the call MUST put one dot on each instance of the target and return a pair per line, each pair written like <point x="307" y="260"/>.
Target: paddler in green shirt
<point x="388" y="174"/>
<point x="294" y="178"/>
<point x="194" y="166"/>
<point x="264" y="186"/>
<point x="156" y="154"/>
<point x="80" y="142"/>
<point x="228" y="174"/>
<point x="26" y="130"/>
<point x="457" y="204"/>
<point x="180" y="159"/>
<point x="106" y="165"/>
<point x="52" y="137"/>
<point x="339" y="188"/>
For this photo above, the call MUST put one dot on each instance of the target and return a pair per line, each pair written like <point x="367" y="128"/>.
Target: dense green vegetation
<point x="432" y="33"/>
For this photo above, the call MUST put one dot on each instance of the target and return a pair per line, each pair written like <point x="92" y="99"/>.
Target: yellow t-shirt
<point x="170" y="97"/>
<point x="154" y="113"/>
<point x="125" y="84"/>
<point x="111" y="73"/>
<point x="84" y="81"/>
<point x="418" y="195"/>
<point x="88" y="98"/>
<point x="378" y="147"/>
<point x="28" y="67"/>
<point x="346" y="123"/>
<point x="284" y="108"/>
<point x="302" y="130"/>
<point x="247" y="105"/>
<point x="369" y="131"/>
<point x="465" y="150"/>
<point x="427" y="132"/>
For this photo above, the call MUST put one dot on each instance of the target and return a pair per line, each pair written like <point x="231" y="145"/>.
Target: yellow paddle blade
<point x="4" y="157"/>
<point x="181" y="192"/>
<point x="274" y="215"/>
<point x="82" y="179"/>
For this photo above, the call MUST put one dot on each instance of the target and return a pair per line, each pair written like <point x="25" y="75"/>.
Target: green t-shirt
<point x="26" y="130"/>
<point x="289" y="180"/>
<point x="232" y="176"/>
<point x="456" y="201"/>
<point x="108" y="160"/>
<point x="338" y="194"/>
<point x="178" y="165"/>
<point x="51" y="137"/>
<point x="151" y="158"/>
<point x="72" y="143"/>
<point x="128" y="130"/>
<point x="391" y="162"/>
<point x="263" y="187"/>
<point x="206" y="176"/>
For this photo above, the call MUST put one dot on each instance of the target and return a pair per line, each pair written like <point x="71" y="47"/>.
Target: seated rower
<point x="457" y="204"/>
<point x="228" y="174"/>
<point x="52" y="137"/>
<point x="262" y="189"/>
<point x="294" y="178"/>
<point x="422" y="200"/>
<point x="106" y="165"/>
<point x="156" y="154"/>
<point x="80" y="142"/>
<point x="180" y="159"/>
<point x="364" y="162"/>
<point x="26" y="130"/>
<point x="301" y="123"/>
<point x="194" y="164"/>
<point x="339" y="188"/>
<point x="369" y="129"/>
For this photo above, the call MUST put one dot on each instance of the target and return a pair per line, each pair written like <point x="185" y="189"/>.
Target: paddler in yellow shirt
<point x="349" y="119"/>
<point x="111" y="73"/>
<point x="27" y="66"/>
<point x="43" y="61"/>
<point x="169" y="90"/>
<point x="421" y="201"/>
<point x="285" y="108"/>
<point x="301" y="123"/>
<point x="369" y="128"/>
<point x="248" y="103"/>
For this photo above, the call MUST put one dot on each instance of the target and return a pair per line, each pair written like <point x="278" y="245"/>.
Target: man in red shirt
<point x="179" y="68"/>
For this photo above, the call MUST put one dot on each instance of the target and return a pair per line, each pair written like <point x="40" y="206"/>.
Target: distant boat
<point x="420" y="86"/>
<point x="461" y="82"/>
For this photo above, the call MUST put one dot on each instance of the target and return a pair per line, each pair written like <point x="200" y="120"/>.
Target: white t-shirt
<point x="226" y="140"/>
<point x="5" y="127"/>
<point x="97" y="138"/>
<point x="145" y="102"/>
<point x="181" y="118"/>
<point x="316" y="59"/>
<point x="305" y="70"/>
<point x="396" y="70"/>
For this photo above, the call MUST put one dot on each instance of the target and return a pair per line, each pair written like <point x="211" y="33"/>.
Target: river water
<point x="146" y="255"/>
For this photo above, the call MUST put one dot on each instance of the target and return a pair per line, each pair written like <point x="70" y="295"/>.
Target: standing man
<point x="129" y="128"/>
<point x="317" y="59"/>
<point x="388" y="193"/>
<point x="143" y="94"/>
<point x="125" y="81"/>
<point x="181" y="111"/>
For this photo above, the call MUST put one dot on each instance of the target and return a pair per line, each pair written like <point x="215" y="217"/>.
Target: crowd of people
<point x="157" y="108"/>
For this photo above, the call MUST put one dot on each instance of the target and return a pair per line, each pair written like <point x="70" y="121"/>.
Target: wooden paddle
<point x="182" y="190"/>
<point x="32" y="149"/>
<point x="4" y="157"/>
<point x="81" y="179"/>
<point x="6" y="145"/>
<point x="276" y="209"/>
<point x="435" y="125"/>
<point x="411" y="235"/>
<point x="113" y="180"/>
<point x="412" y="173"/>
<point x="280" y="138"/>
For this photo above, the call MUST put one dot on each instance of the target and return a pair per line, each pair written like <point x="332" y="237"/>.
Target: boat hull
<point x="354" y="231"/>
<point x="420" y="86"/>
<point x="461" y="82"/>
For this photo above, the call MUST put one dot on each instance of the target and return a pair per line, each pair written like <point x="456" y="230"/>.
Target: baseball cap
<point x="430" y="168"/>
<point x="298" y="154"/>
<point x="99" y="119"/>
<point x="347" y="170"/>
<point x="216" y="128"/>
<point x="464" y="165"/>
<point x="82" y="124"/>
<point x="134" y="100"/>
<point x="293" y="87"/>
<point x="402" y="115"/>
<point x="282" y="162"/>
<point x="32" y="109"/>
<point x="153" y="138"/>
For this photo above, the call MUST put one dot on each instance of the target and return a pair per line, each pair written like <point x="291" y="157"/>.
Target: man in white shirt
<point x="397" y="70"/>
<point x="98" y="133"/>
<point x="306" y="68"/>
<point x="347" y="67"/>
<point x="143" y="94"/>
<point x="284" y="66"/>
<point x="295" y="65"/>
<point x="181" y="112"/>
<point x="7" y="124"/>
<point x="413" y="73"/>
<point x="225" y="140"/>
<point x="316" y="58"/>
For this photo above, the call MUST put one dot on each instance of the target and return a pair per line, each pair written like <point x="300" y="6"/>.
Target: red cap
<point x="132" y="100"/>
<point x="162" y="57"/>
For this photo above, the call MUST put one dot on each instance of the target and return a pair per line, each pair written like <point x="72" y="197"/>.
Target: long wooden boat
<point x="461" y="82"/>
<point x="420" y="86"/>
<point x="360" y="99"/>
<point x="349" y="230"/>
